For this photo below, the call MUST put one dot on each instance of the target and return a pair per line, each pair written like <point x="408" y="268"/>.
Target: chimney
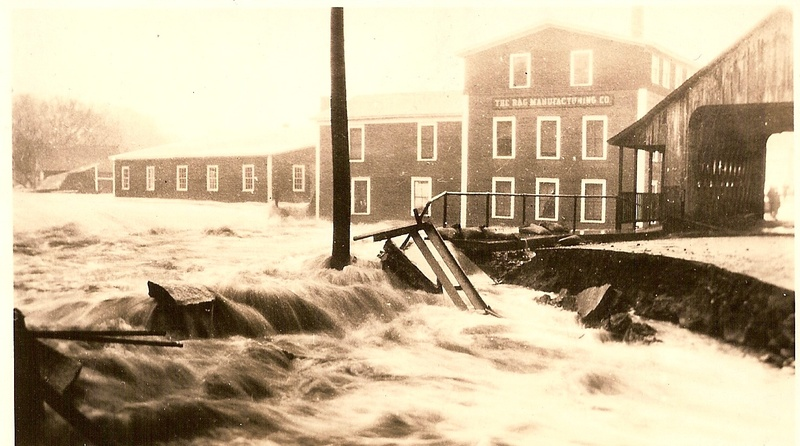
<point x="637" y="22"/>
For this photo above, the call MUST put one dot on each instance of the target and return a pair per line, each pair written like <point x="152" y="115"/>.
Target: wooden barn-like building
<point x="279" y="167"/>
<point x="404" y="149"/>
<point x="82" y="169"/>
<point x="542" y="104"/>
<point x="712" y="131"/>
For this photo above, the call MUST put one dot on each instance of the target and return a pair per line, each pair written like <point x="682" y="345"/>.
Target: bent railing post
<point x="488" y="208"/>
<point x="574" y="213"/>
<point x="444" y="210"/>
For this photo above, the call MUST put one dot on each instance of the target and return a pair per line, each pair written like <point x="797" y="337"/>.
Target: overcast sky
<point x="236" y="67"/>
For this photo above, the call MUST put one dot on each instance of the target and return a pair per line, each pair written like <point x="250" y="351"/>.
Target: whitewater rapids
<point x="388" y="366"/>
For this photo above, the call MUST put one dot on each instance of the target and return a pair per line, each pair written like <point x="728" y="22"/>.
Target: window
<point x="519" y="75"/>
<point x="548" y="143"/>
<point x="547" y="207"/>
<point x="248" y="178"/>
<point x="182" y="178"/>
<point x="593" y="210"/>
<point x="655" y="69"/>
<point x="356" y="143"/>
<point x="212" y="178"/>
<point x="150" y="178"/>
<point x="594" y="137"/>
<point x="502" y="206"/>
<point x="360" y="196"/>
<point x="679" y="75"/>
<point x="125" y="173"/>
<point x="665" y="74"/>
<point x="580" y="68"/>
<point x="426" y="142"/>
<point x="299" y="178"/>
<point x="504" y="143"/>
<point x="420" y="193"/>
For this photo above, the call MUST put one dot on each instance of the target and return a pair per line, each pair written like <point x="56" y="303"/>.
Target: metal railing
<point x="640" y="207"/>
<point x="630" y="207"/>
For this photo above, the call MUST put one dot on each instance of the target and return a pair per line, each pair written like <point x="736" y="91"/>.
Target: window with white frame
<point x="502" y="205"/>
<point x="504" y="137"/>
<point x="212" y="178"/>
<point x="548" y="141"/>
<point x="248" y="178"/>
<point x="125" y="176"/>
<point x="356" y="141"/>
<point x="666" y="71"/>
<point x="593" y="210"/>
<point x="595" y="130"/>
<point x="299" y="178"/>
<point x="182" y="178"/>
<point x="547" y="207"/>
<point x="150" y="178"/>
<point x="420" y="193"/>
<point x="655" y="69"/>
<point x="426" y="142"/>
<point x="580" y="68"/>
<point x="519" y="73"/>
<point x="360" y="196"/>
<point x="679" y="75"/>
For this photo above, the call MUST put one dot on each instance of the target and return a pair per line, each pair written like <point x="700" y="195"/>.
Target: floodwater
<point x="347" y="357"/>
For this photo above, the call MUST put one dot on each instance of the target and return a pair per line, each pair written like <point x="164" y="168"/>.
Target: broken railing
<point x="449" y="274"/>
<point x="42" y="375"/>
<point x="630" y="207"/>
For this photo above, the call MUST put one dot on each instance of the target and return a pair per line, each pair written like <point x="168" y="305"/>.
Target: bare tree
<point x="29" y="138"/>
<point x="42" y="129"/>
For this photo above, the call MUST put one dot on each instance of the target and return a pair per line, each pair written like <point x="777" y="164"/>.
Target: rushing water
<point x="347" y="357"/>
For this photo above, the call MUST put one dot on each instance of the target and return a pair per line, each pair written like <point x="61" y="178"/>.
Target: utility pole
<point x="340" y="256"/>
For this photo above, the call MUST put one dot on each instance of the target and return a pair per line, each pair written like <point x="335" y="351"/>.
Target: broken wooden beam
<point x="395" y="261"/>
<point x="438" y="270"/>
<point x="390" y="233"/>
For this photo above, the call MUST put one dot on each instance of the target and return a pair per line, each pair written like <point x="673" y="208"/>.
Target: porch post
<point x="635" y="186"/>
<point x="618" y="223"/>
<point x="662" y="196"/>
<point x="649" y="187"/>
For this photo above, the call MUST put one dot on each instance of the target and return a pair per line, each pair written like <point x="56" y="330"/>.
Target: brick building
<point x="404" y="149"/>
<point x="279" y="167"/>
<point x="542" y="105"/>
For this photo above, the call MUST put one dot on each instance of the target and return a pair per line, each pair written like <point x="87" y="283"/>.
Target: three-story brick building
<point x="542" y="105"/>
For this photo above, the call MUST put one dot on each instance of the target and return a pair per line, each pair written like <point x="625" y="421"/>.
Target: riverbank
<point x="737" y="289"/>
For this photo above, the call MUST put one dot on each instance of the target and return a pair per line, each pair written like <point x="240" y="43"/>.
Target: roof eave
<point x="619" y="138"/>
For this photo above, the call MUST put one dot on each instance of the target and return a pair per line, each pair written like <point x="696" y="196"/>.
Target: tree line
<point x="62" y="127"/>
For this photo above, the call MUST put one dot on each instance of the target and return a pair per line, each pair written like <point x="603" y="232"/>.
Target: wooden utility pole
<point x="340" y="256"/>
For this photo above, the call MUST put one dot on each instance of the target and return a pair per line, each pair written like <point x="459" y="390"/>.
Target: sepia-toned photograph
<point x="400" y="223"/>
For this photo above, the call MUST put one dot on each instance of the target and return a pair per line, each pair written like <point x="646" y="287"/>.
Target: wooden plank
<point x="56" y="369"/>
<point x="437" y="269"/>
<point x="455" y="268"/>
<point x="395" y="261"/>
<point x="390" y="233"/>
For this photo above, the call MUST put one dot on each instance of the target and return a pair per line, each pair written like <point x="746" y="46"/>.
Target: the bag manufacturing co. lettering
<point x="602" y="100"/>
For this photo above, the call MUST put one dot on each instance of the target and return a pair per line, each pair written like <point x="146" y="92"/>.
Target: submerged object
<point x="189" y="311"/>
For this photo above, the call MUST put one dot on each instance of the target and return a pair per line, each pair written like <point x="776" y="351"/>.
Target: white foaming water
<point x="353" y="359"/>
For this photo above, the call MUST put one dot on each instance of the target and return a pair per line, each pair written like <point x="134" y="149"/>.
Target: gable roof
<point x="554" y="25"/>
<point x="273" y="142"/>
<point x="62" y="160"/>
<point x="675" y="95"/>
<point x="420" y="105"/>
